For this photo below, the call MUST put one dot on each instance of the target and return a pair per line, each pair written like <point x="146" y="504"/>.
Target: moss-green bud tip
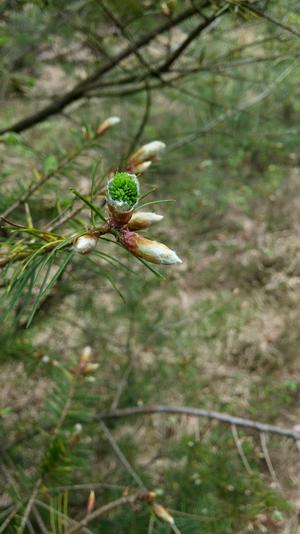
<point x="123" y="191"/>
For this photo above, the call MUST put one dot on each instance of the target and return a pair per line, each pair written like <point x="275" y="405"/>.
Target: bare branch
<point x="80" y="89"/>
<point x="200" y="412"/>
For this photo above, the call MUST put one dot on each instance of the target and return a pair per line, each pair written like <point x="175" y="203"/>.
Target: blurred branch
<point x="239" y="447"/>
<point x="81" y="88"/>
<point x="263" y="441"/>
<point x="164" y="68"/>
<point x="10" y="518"/>
<point x="143" y="123"/>
<point x="260" y="14"/>
<point x="123" y="460"/>
<point x="54" y="511"/>
<point x="29" y="505"/>
<point x="240" y="108"/>
<point x="107" y="508"/>
<point x="200" y="412"/>
<point x="189" y="39"/>
<point x="42" y="178"/>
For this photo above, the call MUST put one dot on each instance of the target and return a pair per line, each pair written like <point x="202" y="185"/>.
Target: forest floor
<point x="226" y="337"/>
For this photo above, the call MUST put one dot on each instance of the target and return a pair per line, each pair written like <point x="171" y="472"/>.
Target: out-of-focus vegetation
<point x="220" y="331"/>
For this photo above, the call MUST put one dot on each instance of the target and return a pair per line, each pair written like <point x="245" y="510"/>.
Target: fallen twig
<point x="200" y="412"/>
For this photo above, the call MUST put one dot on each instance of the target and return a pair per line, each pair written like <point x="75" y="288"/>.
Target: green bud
<point x="123" y="191"/>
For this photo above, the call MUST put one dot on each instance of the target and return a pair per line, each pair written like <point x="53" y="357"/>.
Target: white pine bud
<point x="139" y="168"/>
<point x="91" y="502"/>
<point x="85" y="244"/>
<point x="90" y="367"/>
<point x="146" y="152"/>
<point x="86" y="353"/>
<point x="143" y="219"/>
<point x="152" y="251"/>
<point x="108" y="123"/>
<point x="162" y="513"/>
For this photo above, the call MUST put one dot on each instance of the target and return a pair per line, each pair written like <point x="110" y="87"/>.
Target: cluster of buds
<point x="122" y="197"/>
<point x="124" y="220"/>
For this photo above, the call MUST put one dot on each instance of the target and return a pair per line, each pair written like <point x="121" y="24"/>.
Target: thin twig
<point x="121" y="456"/>
<point x="231" y="112"/>
<point x="43" y="178"/>
<point x="62" y="515"/>
<point x="9" y="518"/>
<point x="239" y="447"/>
<point x="122" y="385"/>
<point x="64" y="217"/>
<point x="80" y="89"/>
<point x="270" y="19"/>
<point x="107" y="508"/>
<point x="30" y="504"/>
<point x="263" y="441"/>
<point x="88" y="486"/>
<point x="144" y="121"/>
<point x="151" y="525"/>
<point x="200" y="412"/>
<point x="175" y="529"/>
<point x="39" y="520"/>
<point x="208" y="21"/>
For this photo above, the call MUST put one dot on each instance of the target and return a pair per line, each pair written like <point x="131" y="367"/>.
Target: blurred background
<point x="218" y="83"/>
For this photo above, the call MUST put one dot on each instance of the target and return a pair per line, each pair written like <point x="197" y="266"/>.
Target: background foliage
<point x="219" y="331"/>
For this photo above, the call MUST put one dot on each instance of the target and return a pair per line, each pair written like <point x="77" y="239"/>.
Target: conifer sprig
<point x="38" y="258"/>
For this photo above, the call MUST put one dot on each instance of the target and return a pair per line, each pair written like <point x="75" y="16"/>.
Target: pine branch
<point x="44" y="178"/>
